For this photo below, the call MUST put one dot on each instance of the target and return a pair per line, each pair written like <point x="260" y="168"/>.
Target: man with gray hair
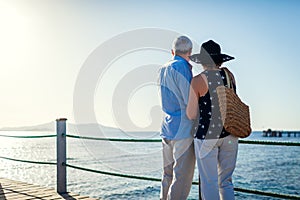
<point x="176" y="132"/>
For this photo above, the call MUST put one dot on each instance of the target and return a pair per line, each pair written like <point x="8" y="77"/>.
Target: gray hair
<point x="182" y="45"/>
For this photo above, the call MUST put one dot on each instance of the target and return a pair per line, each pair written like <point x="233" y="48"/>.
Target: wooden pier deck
<point x="16" y="190"/>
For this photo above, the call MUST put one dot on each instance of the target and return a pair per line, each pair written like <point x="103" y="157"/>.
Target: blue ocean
<point x="259" y="167"/>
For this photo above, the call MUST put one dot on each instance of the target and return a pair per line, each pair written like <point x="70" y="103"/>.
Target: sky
<point x="45" y="46"/>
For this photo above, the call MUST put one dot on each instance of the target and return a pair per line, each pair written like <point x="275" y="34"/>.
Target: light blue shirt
<point x="174" y="80"/>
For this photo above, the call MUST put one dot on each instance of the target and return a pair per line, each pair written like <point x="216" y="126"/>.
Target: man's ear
<point x="173" y="53"/>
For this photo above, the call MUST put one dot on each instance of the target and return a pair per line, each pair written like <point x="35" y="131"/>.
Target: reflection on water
<point x="268" y="168"/>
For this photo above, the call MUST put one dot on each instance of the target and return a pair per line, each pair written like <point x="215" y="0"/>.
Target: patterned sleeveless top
<point x="210" y="122"/>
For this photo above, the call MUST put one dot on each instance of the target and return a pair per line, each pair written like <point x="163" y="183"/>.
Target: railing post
<point x="61" y="156"/>
<point x="199" y="187"/>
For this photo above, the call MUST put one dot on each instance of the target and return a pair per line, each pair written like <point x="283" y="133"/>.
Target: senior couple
<point x="192" y="127"/>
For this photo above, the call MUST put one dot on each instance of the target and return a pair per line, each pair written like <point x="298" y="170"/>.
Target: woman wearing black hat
<point x="216" y="149"/>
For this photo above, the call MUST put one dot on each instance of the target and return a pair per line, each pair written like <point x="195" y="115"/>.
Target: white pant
<point x="216" y="159"/>
<point x="178" y="171"/>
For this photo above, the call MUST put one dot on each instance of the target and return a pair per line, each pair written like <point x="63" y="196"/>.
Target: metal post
<point x="200" y="198"/>
<point x="61" y="155"/>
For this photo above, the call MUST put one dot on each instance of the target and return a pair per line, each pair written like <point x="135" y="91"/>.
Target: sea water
<point x="259" y="167"/>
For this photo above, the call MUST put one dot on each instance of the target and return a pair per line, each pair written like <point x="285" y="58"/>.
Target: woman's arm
<point x="198" y="88"/>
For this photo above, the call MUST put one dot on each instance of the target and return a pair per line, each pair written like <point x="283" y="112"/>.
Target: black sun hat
<point x="210" y="52"/>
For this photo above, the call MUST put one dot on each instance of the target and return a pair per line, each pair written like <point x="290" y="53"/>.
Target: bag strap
<point x="229" y="84"/>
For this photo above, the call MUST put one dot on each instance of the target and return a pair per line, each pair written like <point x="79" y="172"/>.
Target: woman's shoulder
<point x="199" y="84"/>
<point x="200" y="77"/>
<point x="231" y="76"/>
<point x="227" y="70"/>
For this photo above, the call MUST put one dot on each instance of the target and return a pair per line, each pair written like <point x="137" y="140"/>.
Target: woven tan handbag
<point x="234" y="113"/>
